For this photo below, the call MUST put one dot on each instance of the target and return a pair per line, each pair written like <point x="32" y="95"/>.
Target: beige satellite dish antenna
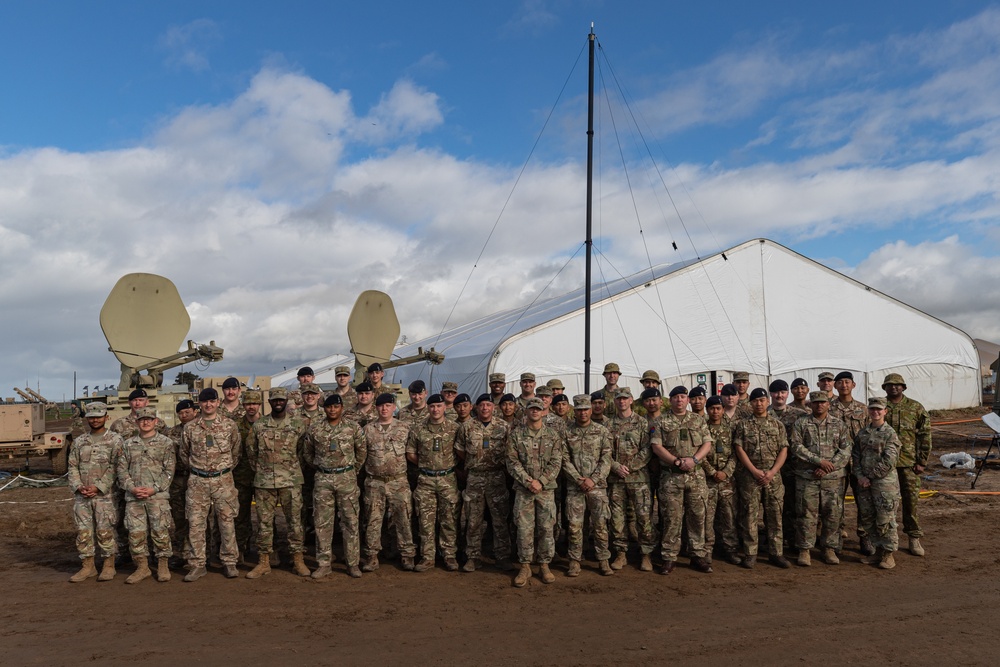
<point x="373" y="328"/>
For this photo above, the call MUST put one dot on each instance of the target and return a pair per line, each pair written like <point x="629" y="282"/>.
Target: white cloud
<point x="187" y="45"/>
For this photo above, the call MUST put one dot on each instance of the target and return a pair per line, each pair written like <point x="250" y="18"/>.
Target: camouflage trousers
<point x="149" y="517"/>
<point x="851" y="482"/>
<point x="751" y="497"/>
<point x="639" y="499"/>
<point x="788" y="503"/>
<point x="487" y="489"/>
<point x="435" y="501"/>
<point x="243" y="480"/>
<point x="121" y="532"/>
<point x="290" y="499"/>
<point x="682" y="504"/>
<point x="909" y="492"/>
<point x="178" y="500"/>
<point x="822" y="500"/>
<point x="215" y="496"/>
<point x="330" y="492"/>
<point x="720" y="515"/>
<point x="308" y="484"/>
<point x="877" y="507"/>
<point x="577" y="504"/>
<point x="535" y="518"/>
<point x="95" y="519"/>
<point x="392" y="494"/>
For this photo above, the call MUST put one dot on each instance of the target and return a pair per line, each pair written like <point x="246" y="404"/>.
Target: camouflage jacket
<point x="813" y="441"/>
<point x="413" y="417"/>
<point x="788" y="416"/>
<point x="349" y="398"/>
<point x="234" y="414"/>
<point x="146" y="463"/>
<point x="761" y="439"/>
<point x="243" y="473"/>
<point x="176" y="433"/>
<point x="854" y="414"/>
<point x="681" y="436"/>
<point x="274" y="450"/>
<point x="433" y="444"/>
<point x="912" y="424"/>
<point x="386" y="447"/>
<point x="92" y="461"/>
<point x="535" y="454"/>
<point x="629" y="448"/>
<point x="211" y="446"/>
<point x="721" y="458"/>
<point x="588" y="454"/>
<point x="743" y="409"/>
<point x="362" y="419"/>
<point x="332" y="446"/>
<point x="311" y="415"/>
<point x="128" y="426"/>
<point x="555" y="421"/>
<point x="484" y="445"/>
<point x="875" y="452"/>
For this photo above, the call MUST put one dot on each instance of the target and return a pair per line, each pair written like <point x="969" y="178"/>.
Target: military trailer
<point x="23" y="433"/>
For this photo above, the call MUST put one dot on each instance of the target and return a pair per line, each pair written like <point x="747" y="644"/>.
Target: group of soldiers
<point x="697" y="476"/>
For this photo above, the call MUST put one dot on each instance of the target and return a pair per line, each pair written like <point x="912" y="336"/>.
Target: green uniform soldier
<point x="561" y="408"/>
<point x="416" y="412"/>
<point x="348" y="394"/>
<point x="527" y="383"/>
<point x="741" y="381"/>
<point x="875" y="453"/>
<point x="697" y="399"/>
<point x="186" y="412"/>
<point x="855" y="414"/>
<point x="628" y="483"/>
<point x="364" y="411"/>
<point x="912" y="424"/>
<point x="508" y="410"/>
<point x="787" y="415"/>
<point x="498" y="387"/>
<point x="231" y="406"/>
<point x="720" y="501"/>
<point x="243" y="474"/>
<point x="92" y="481"/>
<point x="612" y="372"/>
<point x="449" y="391"/>
<point x="462" y="409"/>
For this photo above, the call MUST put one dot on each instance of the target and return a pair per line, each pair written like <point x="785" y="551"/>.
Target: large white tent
<point x="757" y="307"/>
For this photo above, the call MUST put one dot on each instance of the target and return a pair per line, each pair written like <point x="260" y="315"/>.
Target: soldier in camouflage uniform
<point x="855" y="414"/>
<point x="463" y="408"/>
<point x="800" y="395"/>
<point x="912" y="424"/>
<point x="482" y="446"/>
<point x="274" y="448"/>
<point x="498" y="387"/>
<point x="335" y="447"/>
<point x="875" y="453"/>
<point x="508" y="410"/>
<point x="210" y="449"/>
<point x="820" y="449"/>
<point x="628" y="483"/>
<point x="305" y="376"/>
<point x="311" y="411"/>
<point x="92" y="480"/>
<point x="243" y="474"/>
<point x="761" y="446"/>
<point x="730" y="407"/>
<point x="681" y="441"/>
<point x="697" y="398"/>
<point x="347" y="393"/>
<point x="144" y="468"/>
<point x="186" y="412"/>
<point x="449" y="391"/>
<point x="416" y="412"/>
<point x="586" y="464"/>
<point x="231" y="406"/>
<point x="561" y="408"/>
<point x="720" y="501"/>
<point x="598" y="409"/>
<point x="825" y="383"/>
<point x="611" y="374"/>
<point x="787" y="415"/>
<point x="386" y="485"/>
<point x="741" y="381"/>
<point x="534" y="460"/>
<point x="557" y="387"/>
<point x="374" y="374"/>
<point x="527" y="383"/>
<point x="364" y="411"/>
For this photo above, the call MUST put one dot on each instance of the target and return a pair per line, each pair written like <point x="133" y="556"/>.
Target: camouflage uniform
<point x="413" y="417"/>
<point x="535" y="455"/>
<point x="435" y="499"/>
<point x="210" y="449"/>
<point x="682" y="494"/>
<point x="630" y="448"/>
<point x="386" y="485"/>
<point x="743" y="409"/>
<point x="788" y="416"/>
<point x="912" y="424"/>
<point x="92" y="463"/>
<point x="349" y="398"/>
<point x="236" y="414"/>
<point x="127" y="427"/>
<point x="820" y="499"/>
<point x="336" y="452"/>
<point x="720" y="501"/>
<point x="243" y="475"/>
<point x="761" y="439"/>
<point x="485" y="449"/>
<point x="855" y="415"/>
<point x="178" y="492"/>
<point x="362" y="419"/>
<point x="274" y="449"/>
<point x="874" y="456"/>
<point x="588" y="454"/>
<point x="147" y="463"/>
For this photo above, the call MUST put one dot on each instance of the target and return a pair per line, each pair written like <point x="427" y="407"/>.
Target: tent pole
<point x="590" y="190"/>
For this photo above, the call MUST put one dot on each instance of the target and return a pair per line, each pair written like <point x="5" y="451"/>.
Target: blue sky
<point x="269" y="158"/>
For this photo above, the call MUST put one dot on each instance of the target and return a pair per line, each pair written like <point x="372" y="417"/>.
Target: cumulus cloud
<point x="187" y="45"/>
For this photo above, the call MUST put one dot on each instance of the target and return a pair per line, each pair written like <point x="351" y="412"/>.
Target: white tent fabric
<point x="757" y="307"/>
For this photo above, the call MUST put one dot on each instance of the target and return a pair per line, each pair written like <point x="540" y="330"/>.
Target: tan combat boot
<point x="916" y="548"/>
<point x="299" y="565"/>
<point x="141" y="570"/>
<point x="107" y="569"/>
<point x="887" y="562"/>
<point x="546" y="574"/>
<point x="353" y="571"/>
<point x="263" y="567"/>
<point x="574" y="569"/>
<point x="470" y="565"/>
<point x="521" y="580"/>
<point x="87" y="570"/>
<point x="830" y="557"/>
<point x="619" y="561"/>
<point x="646" y="565"/>
<point x="369" y="565"/>
<point x="322" y="571"/>
<point x="605" y="568"/>
<point x="805" y="559"/>
<point x="874" y="559"/>
<point x="163" y="569"/>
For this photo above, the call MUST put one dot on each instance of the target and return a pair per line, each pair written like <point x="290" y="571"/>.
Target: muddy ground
<point x="938" y="609"/>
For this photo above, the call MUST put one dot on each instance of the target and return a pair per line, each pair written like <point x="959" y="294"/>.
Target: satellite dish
<point x="144" y="319"/>
<point x="373" y="328"/>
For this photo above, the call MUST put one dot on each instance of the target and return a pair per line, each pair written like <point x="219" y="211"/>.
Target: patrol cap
<point x="611" y="368"/>
<point x="597" y="396"/>
<point x="891" y="378"/>
<point x="651" y="392"/>
<point x="342" y="370"/>
<point x="581" y="401"/>
<point x="434" y="399"/>
<point x="818" y="397"/>
<point x="231" y="383"/>
<point x="844" y="375"/>
<point x="208" y="394"/>
<point x="713" y="400"/>
<point x="97" y="409"/>
<point x="778" y="385"/>
<point x="186" y="404"/>
<point x="623" y="392"/>
<point x="758" y="393"/>
<point x="508" y="398"/>
<point x="543" y="391"/>
<point x="563" y="398"/>
<point x="741" y="375"/>
<point x="278" y="394"/>
<point x="527" y="376"/>
<point x="826" y="375"/>
<point x="385" y="398"/>
<point x="650" y="375"/>
<point x="364" y="386"/>
<point x="728" y="390"/>
<point x="305" y="370"/>
<point x="463" y="398"/>
<point x="696" y="391"/>
<point x="145" y="413"/>
<point x="877" y="402"/>
<point x="799" y="382"/>
<point x="555" y="383"/>
<point x="375" y="367"/>
<point x="310" y="388"/>
<point x="138" y="393"/>
<point x="534" y="403"/>
<point x="333" y="399"/>
<point x="416" y="387"/>
<point x="497" y="377"/>
<point x="449" y="386"/>
<point x="678" y="390"/>
<point x="252" y="396"/>
<point x="484" y="398"/>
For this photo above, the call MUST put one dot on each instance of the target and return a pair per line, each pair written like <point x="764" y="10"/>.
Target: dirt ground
<point x="939" y="609"/>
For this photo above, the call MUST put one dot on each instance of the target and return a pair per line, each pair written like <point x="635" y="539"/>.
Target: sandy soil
<point x="939" y="609"/>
